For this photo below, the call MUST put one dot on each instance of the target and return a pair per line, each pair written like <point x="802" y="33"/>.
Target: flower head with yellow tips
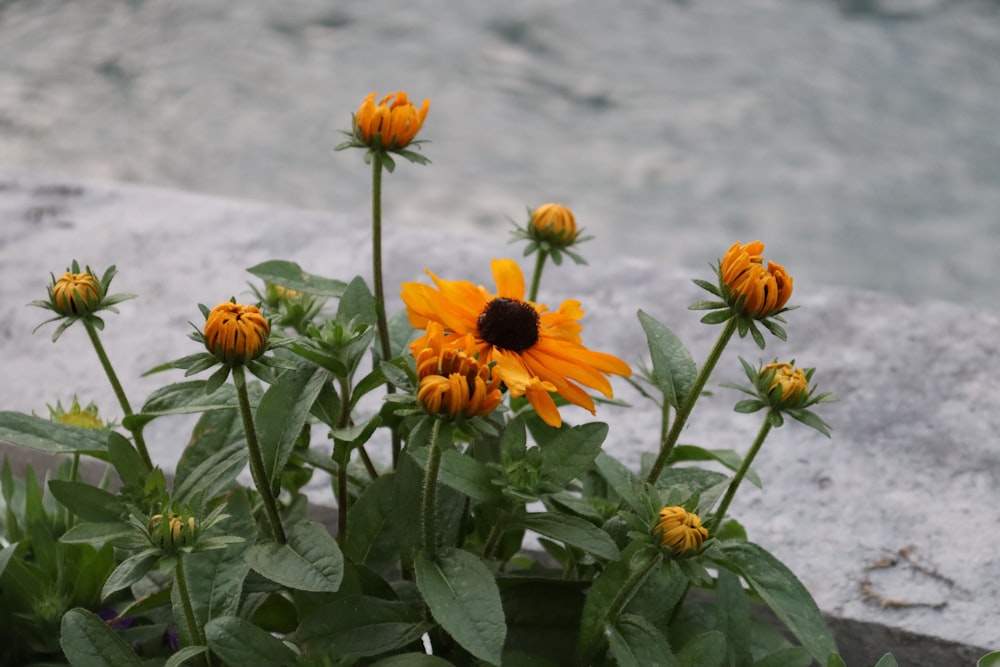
<point x="79" y="295"/>
<point x="748" y="291"/>
<point x="782" y="388"/>
<point x="236" y="333"/>
<point x="679" y="530"/>
<point x="536" y="352"/>
<point x="452" y="382"/>
<point x="389" y="125"/>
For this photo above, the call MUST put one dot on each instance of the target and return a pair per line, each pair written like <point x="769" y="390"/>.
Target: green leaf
<point x="97" y="533"/>
<point x="49" y="436"/>
<point x="635" y="642"/>
<point x="543" y="616"/>
<point x="810" y="418"/>
<point x="87" y="502"/>
<point x="220" y="573"/>
<point x="311" y="561"/>
<point x="888" y="660"/>
<point x="131" y="570"/>
<point x="357" y="302"/>
<point x="5" y="555"/>
<point x="239" y="642"/>
<point x="707" y="650"/>
<point x="789" y="656"/>
<point x="989" y="660"/>
<point x="290" y="275"/>
<point x="281" y="414"/>
<point x="369" y="540"/>
<point x="834" y="660"/>
<point x="212" y="433"/>
<point x="573" y="531"/>
<point x="87" y="641"/>
<point x="357" y="625"/>
<point x="212" y="476"/>
<point x="733" y="618"/>
<point x="611" y="591"/>
<point x="183" y="398"/>
<point x="674" y="370"/>
<point x="749" y="405"/>
<point x="726" y="457"/>
<point x="132" y="470"/>
<point x="779" y="588"/>
<point x="572" y="452"/>
<point x="184" y="655"/>
<point x="621" y="479"/>
<point x="463" y="597"/>
<point x="717" y="317"/>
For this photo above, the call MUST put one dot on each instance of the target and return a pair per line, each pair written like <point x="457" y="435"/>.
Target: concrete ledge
<point x="894" y="524"/>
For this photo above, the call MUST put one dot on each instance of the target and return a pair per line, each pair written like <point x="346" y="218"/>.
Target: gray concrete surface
<point x="894" y="522"/>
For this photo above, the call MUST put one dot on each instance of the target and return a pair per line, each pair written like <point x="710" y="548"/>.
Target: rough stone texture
<point x="892" y="522"/>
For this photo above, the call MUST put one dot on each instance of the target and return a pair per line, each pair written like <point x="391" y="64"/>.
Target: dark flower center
<point x="508" y="324"/>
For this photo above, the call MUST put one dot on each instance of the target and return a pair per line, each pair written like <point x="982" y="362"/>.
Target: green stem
<point x="383" y="325"/>
<point x="621" y="599"/>
<point x="536" y="279"/>
<point x="720" y="514"/>
<point x="342" y="421"/>
<point x="257" y="469"/>
<point x="140" y="442"/>
<point x="684" y="411"/>
<point x="430" y="492"/>
<point x="194" y="630"/>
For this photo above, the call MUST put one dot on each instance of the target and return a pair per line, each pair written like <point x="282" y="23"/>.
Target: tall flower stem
<point x="684" y="411"/>
<point x="385" y="347"/>
<point x="256" y="460"/>
<point x="427" y="506"/>
<point x="720" y="513"/>
<point x="536" y="279"/>
<point x="194" y="630"/>
<point x="342" y="500"/>
<point x="140" y="442"/>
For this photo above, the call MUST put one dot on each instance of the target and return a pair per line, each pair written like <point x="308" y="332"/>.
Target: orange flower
<point x="537" y="352"/>
<point x="236" y="333"/>
<point x="452" y="381"/>
<point x="75" y="293"/>
<point x="754" y="291"/>
<point x="679" y="530"/>
<point x="553" y="223"/>
<point x="395" y="122"/>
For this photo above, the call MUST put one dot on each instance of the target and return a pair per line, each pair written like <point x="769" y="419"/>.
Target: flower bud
<point x="553" y="223"/>
<point x="754" y="291"/>
<point x="75" y="294"/>
<point x="679" y="530"/>
<point x="236" y="333"/>
<point x="790" y="386"/>
<point x="391" y="124"/>
<point x="172" y="534"/>
<point x="77" y="416"/>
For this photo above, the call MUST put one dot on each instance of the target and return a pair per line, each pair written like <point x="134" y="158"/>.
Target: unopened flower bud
<point x="790" y="386"/>
<point x="75" y="294"/>
<point x="236" y="333"/>
<point x="553" y="223"/>
<point x="679" y="530"/>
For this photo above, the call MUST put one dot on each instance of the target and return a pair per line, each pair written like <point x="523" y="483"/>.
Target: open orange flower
<point x="537" y="352"/>
<point x="452" y="381"/>
<point x="755" y="291"/>
<point x="395" y="121"/>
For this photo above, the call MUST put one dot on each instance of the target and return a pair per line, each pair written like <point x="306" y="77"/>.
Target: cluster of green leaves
<point x="597" y="590"/>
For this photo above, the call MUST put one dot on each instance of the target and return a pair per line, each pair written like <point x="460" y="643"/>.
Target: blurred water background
<point x="860" y="139"/>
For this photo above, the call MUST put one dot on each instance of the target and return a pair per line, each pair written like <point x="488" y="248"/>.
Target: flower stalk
<point x="427" y="506"/>
<point x="140" y="442"/>
<point x="194" y="629"/>
<point x="257" y="470"/>
<point x="734" y="484"/>
<point x="684" y="411"/>
<point x="536" y="279"/>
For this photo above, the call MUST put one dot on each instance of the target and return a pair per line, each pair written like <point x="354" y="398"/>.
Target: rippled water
<point x="859" y="139"/>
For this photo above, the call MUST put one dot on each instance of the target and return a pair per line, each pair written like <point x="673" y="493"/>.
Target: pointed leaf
<point x="290" y="275"/>
<point x="131" y="570"/>
<point x="311" y="561"/>
<point x="87" y="641"/>
<point x="573" y="531"/>
<point x="49" y="436"/>
<point x="707" y="650"/>
<point x="674" y="370"/>
<point x="572" y="452"/>
<point x="239" y="642"/>
<point x="635" y="642"/>
<point x="87" y="502"/>
<point x="463" y="597"/>
<point x="358" y="625"/>
<point x="281" y="414"/>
